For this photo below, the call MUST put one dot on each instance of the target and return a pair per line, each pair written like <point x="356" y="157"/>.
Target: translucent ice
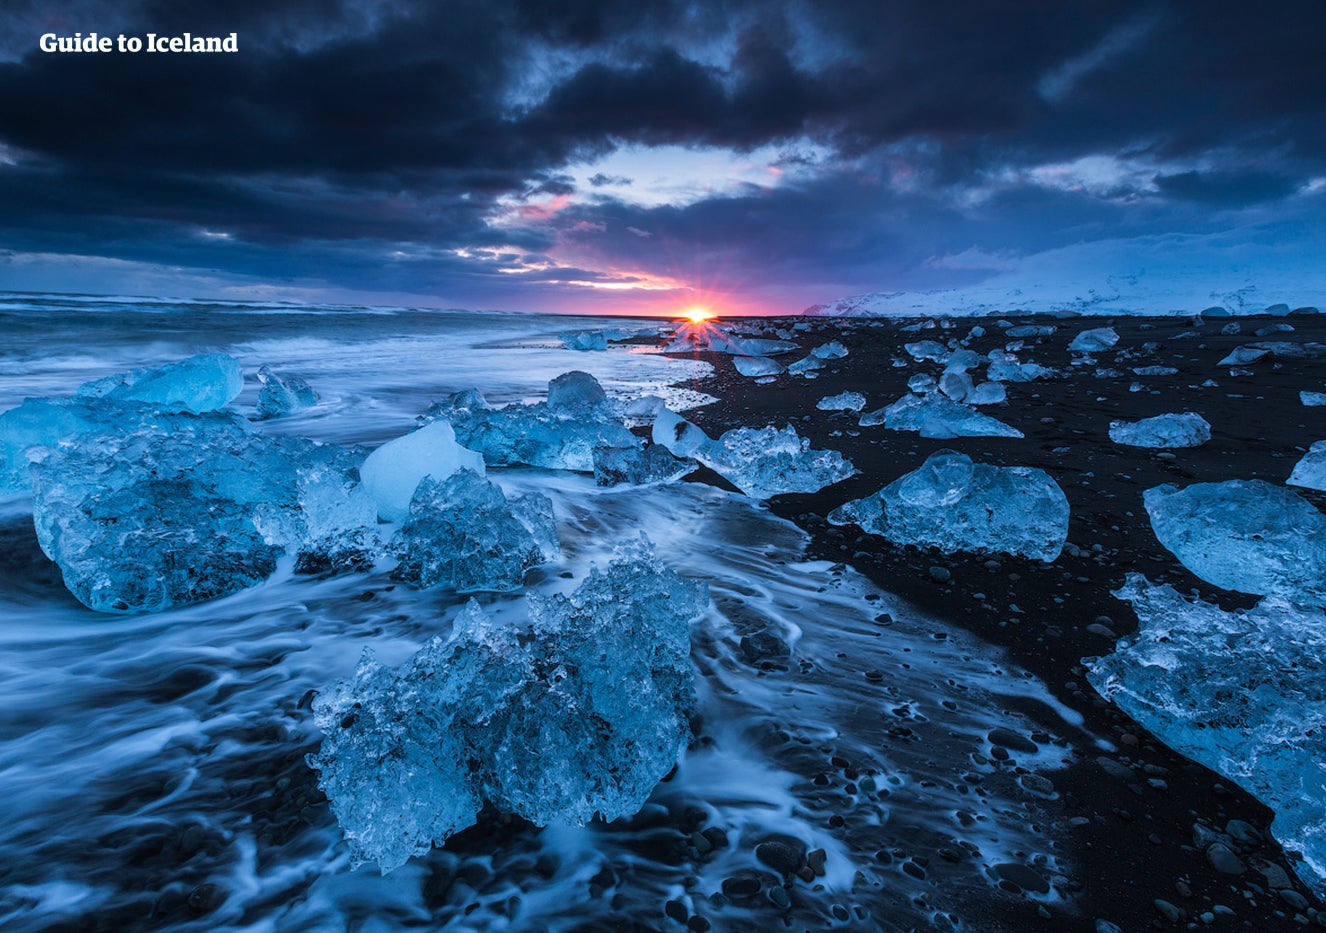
<point x="1241" y="692"/>
<point x="579" y="713"/>
<point x="707" y="335"/>
<point x="170" y="514"/>
<point x="833" y="350"/>
<point x="638" y="466"/>
<point x="198" y="384"/>
<point x="585" y="340"/>
<point x="954" y="504"/>
<point x="1244" y="535"/>
<point x="928" y="350"/>
<point x="1094" y="340"/>
<point x="1031" y="330"/>
<point x="281" y="395"/>
<point x="393" y="471"/>
<point x="1310" y="472"/>
<point x="987" y="393"/>
<point x="1004" y="367"/>
<point x="760" y="462"/>
<point x="559" y="434"/>
<point x="806" y="365"/>
<point x="1312" y="399"/>
<point x="939" y="417"/>
<point x="462" y="533"/>
<point x="756" y="366"/>
<point x="844" y="401"/>
<point x="1163" y="431"/>
<point x="957" y="385"/>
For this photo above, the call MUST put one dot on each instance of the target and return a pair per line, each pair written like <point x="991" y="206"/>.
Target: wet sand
<point x="1130" y="805"/>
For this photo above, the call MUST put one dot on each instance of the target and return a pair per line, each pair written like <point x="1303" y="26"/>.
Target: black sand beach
<point x="1138" y="816"/>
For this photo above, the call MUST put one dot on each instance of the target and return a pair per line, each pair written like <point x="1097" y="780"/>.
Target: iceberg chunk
<point x="585" y="340"/>
<point x="559" y="434"/>
<point x="756" y="366"/>
<point x="954" y="504"/>
<point x="201" y="383"/>
<point x="1031" y="330"/>
<point x="1163" y="431"/>
<point x="760" y="462"/>
<point x="281" y="395"/>
<point x="1312" y="399"/>
<point x="1241" y="692"/>
<point x="706" y="335"/>
<point x="393" y="471"/>
<point x="833" y="350"/>
<point x="579" y="713"/>
<point x="462" y="533"/>
<point x="844" y="401"/>
<point x="923" y="350"/>
<point x="638" y="467"/>
<point x="1094" y="340"/>
<point x="1310" y="472"/>
<point x="938" y="417"/>
<point x="1244" y="535"/>
<point x="1004" y="367"/>
<point x="956" y="384"/>
<point x="806" y="365"/>
<point x="987" y="393"/>
<point x="177" y="513"/>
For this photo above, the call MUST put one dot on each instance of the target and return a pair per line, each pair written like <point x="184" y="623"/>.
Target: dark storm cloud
<point x="350" y="127"/>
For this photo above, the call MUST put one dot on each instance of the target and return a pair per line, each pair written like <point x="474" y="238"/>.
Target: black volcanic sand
<point x="1128" y="814"/>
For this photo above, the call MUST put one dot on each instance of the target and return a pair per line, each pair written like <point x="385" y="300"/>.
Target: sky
<point x="600" y="156"/>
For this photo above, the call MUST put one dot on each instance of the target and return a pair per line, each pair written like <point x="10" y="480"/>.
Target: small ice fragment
<point x="393" y="471"/>
<point x="585" y="340"/>
<point x="637" y="466"/>
<point x="756" y="366"/>
<point x="845" y="401"/>
<point x="1031" y="330"/>
<point x="1244" y="535"/>
<point x="954" y="504"/>
<point x="464" y="534"/>
<point x="1312" y="399"/>
<point x="938" y="417"/>
<point x="281" y="395"/>
<point x="1167" y="431"/>
<point x="833" y="350"/>
<point x="987" y="393"/>
<point x="1242" y="356"/>
<point x="922" y="383"/>
<point x="1094" y="340"/>
<point x="805" y="366"/>
<point x="956" y="385"/>
<point x="928" y="350"/>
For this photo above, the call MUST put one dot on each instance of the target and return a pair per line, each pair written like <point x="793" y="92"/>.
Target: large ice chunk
<point x="1310" y="472"/>
<point x="282" y="394"/>
<point x="201" y="383"/>
<point x="954" y="504"/>
<point x="393" y="471"/>
<point x="939" y="417"/>
<point x="462" y="533"/>
<point x="559" y="434"/>
<point x="1163" y="431"/>
<point x="119" y="402"/>
<point x="756" y="366"/>
<point x="1243" y="693"/>
<point x="833" y="350"/>
<point x="1244" y="535"/>
<point x="708" y="335"/>
<point x="158" y="515"/>
<point x="585" y="340"/>
<point x="760" y="462"/>
<point x="843" y="401"/>
<point x="579" y="713"/>
<point x="1094" y="340"/>
<point x="1005" y="367"/>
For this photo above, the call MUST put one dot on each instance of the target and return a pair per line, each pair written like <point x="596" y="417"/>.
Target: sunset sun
<point x="699" y="314"/>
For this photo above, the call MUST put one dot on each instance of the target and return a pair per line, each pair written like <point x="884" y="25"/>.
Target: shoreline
<point x="1129" y="809"/>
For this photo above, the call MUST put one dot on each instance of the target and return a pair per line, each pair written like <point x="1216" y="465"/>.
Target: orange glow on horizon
<point x="697" y="315"/>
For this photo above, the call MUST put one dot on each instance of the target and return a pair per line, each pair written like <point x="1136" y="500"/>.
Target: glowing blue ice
<point x="578" y="714"/>
<point x="935" y="416"/>
<point x="1163" y="431"/>
<point x="954" y="504"/>
<point x="282" y="394"/>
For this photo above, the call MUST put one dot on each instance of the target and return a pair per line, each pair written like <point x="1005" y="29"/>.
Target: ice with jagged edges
<point x="463" y="533"/>
<point x="923" y="350"/>
<point x="182" y="508"/>
<point x="1244" y="535"/>
<point x="833" y="350"/>
<point x="1241" y="692"/>
<point x="585" y="340"/>
<point x="1312" y="399"/>
<point x="936" y="416"/>
<point x="954" y="504"/>
<point x="1094" y="340"/>
<point x="756" y="366"/>
<point x="638" y="466"/>
<point x="761" y="462"/>
<point x="200" y="383"/>
<point x="1167" y="431"/>
<point x="578" y="713"/>
<point x="1005" y="367"/>
<point x="1310" y="472"/>
<point x="805" y="365"/>
<point x="843" y="401"/>
<point x="707" y="335"/>
<point x="559" y="434"/>
<point x="393" y="472"/>
<point x="282" y="394"/>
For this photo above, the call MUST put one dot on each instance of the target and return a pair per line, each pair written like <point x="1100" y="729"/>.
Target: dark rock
<point x="1010" y="739"/>
<point x="1023" y="876"/>
<point x="784" y="854"/>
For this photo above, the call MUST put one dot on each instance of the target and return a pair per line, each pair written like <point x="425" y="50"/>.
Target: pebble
<point x="940" y="574"/>
<point x="1010" y="739"/>
<point x="1168" y="911"/>
<point x="815" y="860"/>
<point x="1223" y="859"/>
<point x="1023" y="876"/>
<point x="784" y="854"/>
